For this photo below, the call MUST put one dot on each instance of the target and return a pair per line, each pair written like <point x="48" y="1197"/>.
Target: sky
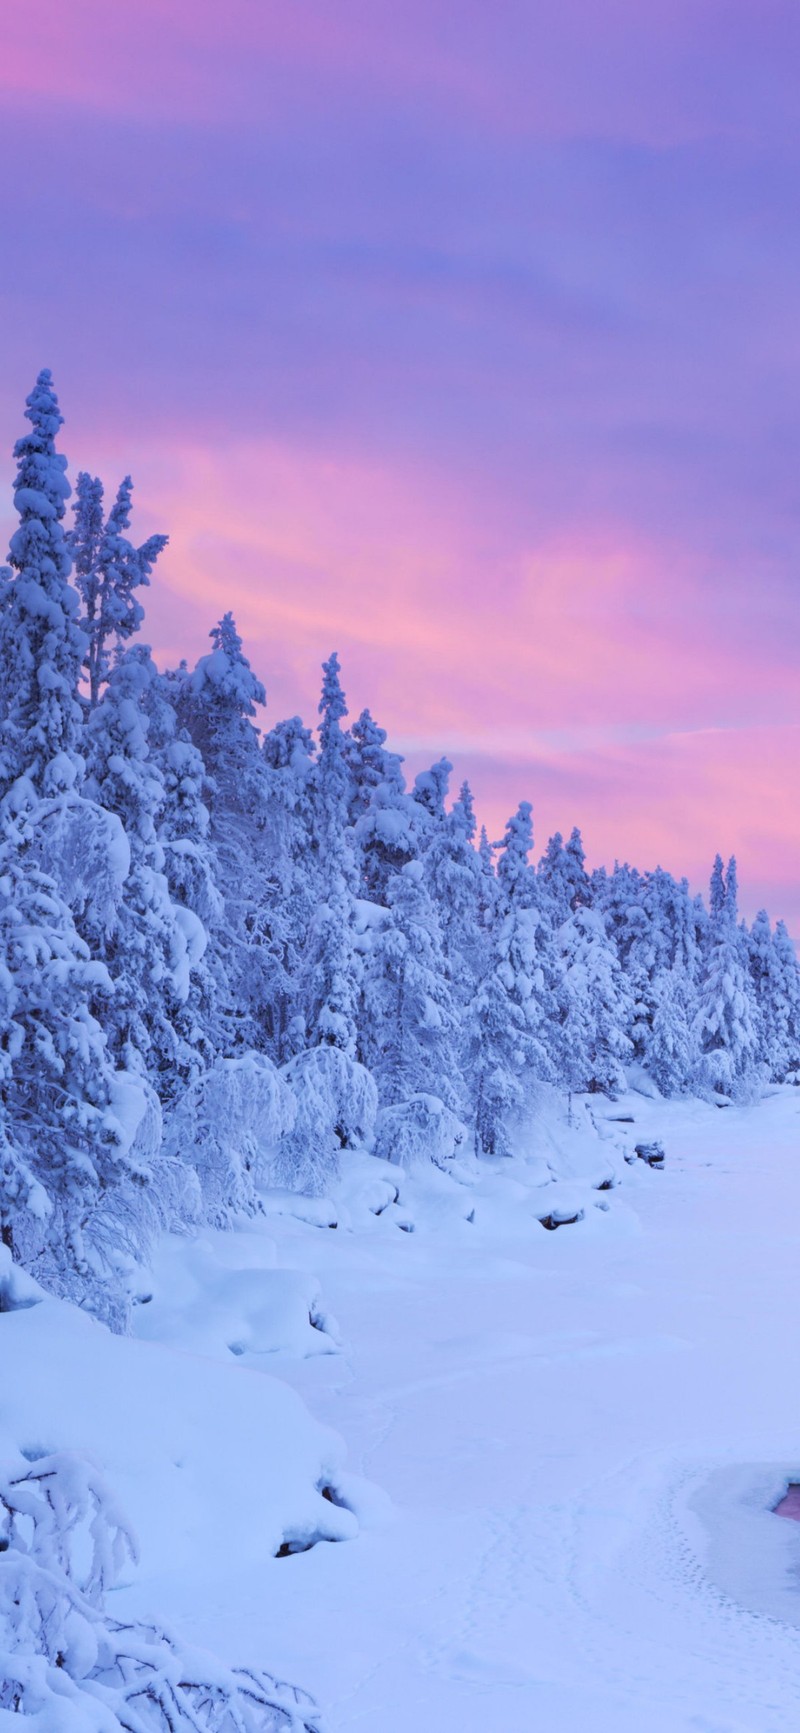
<point x="462" y="339"/>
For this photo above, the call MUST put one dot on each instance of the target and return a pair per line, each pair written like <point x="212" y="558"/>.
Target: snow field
<point x="562" y="1448"/>
<point x="582" y="1433"/>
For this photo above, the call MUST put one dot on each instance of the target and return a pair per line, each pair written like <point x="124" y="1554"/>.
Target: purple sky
<point x="464" y="339"/>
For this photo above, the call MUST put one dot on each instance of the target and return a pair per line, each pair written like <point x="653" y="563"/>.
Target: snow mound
<point x="211" y="1460"/>
<point x="72" y="1666"/>
<point x="196" y="1303"/>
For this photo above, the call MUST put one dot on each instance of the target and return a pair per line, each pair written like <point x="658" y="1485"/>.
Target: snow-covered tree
<point x="109" y="570"/>
<point x="455" y="878"/>
<point x="726" y="1026"/>
<point x="504" y="1023"/>
<point x="155" y="943"/>
<point x="331" y="968"/>
<point x="370" y="764"/>
<point x="670" y="1055"/>
<point x="69" y="1118"/>
<point x="588" y="1042"/>
<point x="217" y="703"/>
<point x="563" y="879"/>
<point x="776" y="982"/>
<point x="41" y="643"/>
<point x="430" y="792"/>
<point x="409" y="1023"/>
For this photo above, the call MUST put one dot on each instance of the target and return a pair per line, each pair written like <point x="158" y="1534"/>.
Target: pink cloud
<point x="660" y="73"/>
<point x="585" y="672"/>
<point x="582" y="673"/>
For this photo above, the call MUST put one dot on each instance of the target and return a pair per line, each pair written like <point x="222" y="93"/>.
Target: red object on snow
<point x="790" y="1503"/>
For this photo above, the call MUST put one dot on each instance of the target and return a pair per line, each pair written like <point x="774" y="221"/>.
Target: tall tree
<point x="41" y="644"/>
<point x="332" y="964"/>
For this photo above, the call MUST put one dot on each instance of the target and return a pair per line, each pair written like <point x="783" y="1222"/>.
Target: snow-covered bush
<point x="228" y="1126"/>
<point x="67" y="1662"/>
<point x="337" y="1102"/>
<point x="421" y="1130"/>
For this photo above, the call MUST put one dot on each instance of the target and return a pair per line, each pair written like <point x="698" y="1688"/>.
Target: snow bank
<point x="208" y="1460"/>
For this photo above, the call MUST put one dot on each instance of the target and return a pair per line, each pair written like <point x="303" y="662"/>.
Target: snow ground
<point x="581" y="1433"/>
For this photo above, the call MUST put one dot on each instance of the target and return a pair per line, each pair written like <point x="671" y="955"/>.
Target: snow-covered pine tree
<point x="430" y="793"/>
<point x="409" y="1022"/>
<point x="589" y="1046"/>
<point x="776" y="982"/>
<point x="784" y="1009"/>
<point x="504" y="1046"/>
<point x="563" y="879"/>
<point x="71" y="1124"/>
<point x="41" y="643"/>
<point x="331" y="969"/>
<point x="109" y="570"/>
<point x="455" y="878"/>
<point x="726" y="1026"/>
<point x="71" y="1120"/>
<point x="387" y="822"/>
<point x="217" y="703"/>
<point x="289" y="753"/>
<point x="156" y="943"/>
<point x="717" y="892"/>
<point x="591" y="1006"/>
<point x="369" y="763"/>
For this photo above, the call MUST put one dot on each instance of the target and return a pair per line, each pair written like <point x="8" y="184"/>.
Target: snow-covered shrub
<point x="65" y="1661"/>
<point x="417" y="1131"/>
<point x="228" y="1125"/>
<point x="337" y="1103"/>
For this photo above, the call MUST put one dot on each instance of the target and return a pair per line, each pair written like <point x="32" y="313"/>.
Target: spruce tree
<point x="41" y="644"/>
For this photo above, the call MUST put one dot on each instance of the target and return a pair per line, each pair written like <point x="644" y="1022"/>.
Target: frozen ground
<point x="581" y="1433"/>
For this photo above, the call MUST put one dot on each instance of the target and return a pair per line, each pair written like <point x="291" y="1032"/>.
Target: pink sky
<point x="462" y="340"/>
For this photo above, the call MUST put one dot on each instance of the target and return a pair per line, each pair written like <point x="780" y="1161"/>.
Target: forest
<point x="230" y="955"/>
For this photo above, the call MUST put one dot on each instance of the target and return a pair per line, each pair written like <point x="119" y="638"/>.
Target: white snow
<point x="582" y="1433"/>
